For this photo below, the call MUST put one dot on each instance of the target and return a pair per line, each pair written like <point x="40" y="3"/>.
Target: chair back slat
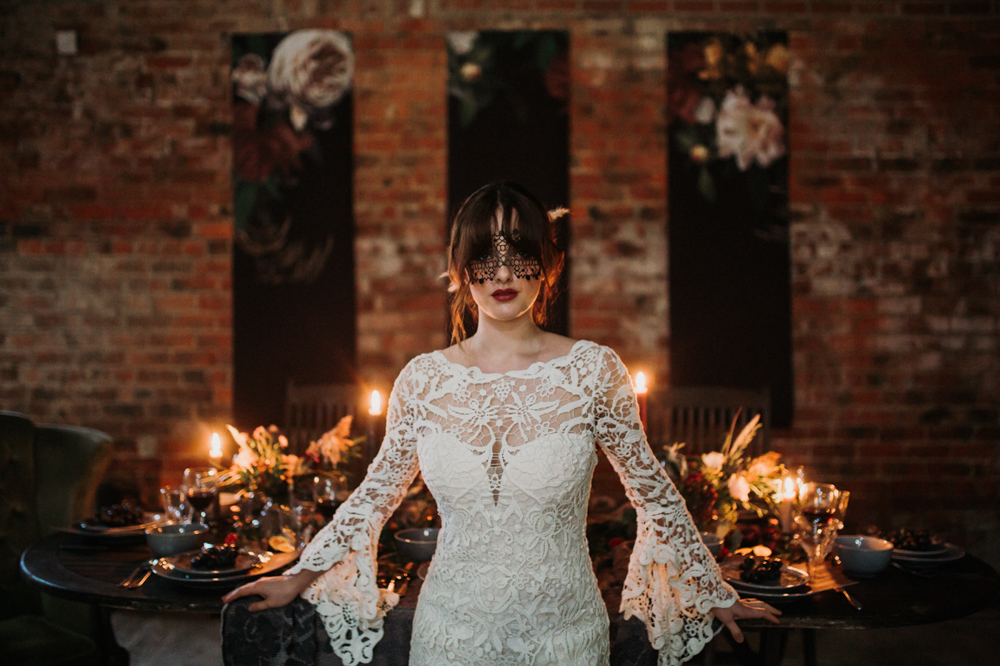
<point x="311" y="411"/>
<point x="701" y="417"/>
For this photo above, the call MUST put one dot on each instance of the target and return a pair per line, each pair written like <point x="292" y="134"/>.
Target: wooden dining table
<point x="64" y="567"/>
<point x="159" y="622"/>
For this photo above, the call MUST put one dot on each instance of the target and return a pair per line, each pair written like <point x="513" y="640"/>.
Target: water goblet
<point x="174" y="501"/>
<point x="201" y="491"/>
<point x="816" y="540"/>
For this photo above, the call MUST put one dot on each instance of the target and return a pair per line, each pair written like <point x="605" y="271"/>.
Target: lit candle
<point x="215" y="448"/>
<point x="641" y="391"/>
<point x="789" y="492"/>
<point x="376" y="404"/>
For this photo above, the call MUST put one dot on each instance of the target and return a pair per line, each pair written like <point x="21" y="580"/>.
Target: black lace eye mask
<point x="485" y="268"/>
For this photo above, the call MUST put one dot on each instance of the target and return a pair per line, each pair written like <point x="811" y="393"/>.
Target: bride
<point x="505" y="426"/>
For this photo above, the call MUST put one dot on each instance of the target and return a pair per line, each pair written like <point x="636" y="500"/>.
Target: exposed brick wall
<point x="115" y="218"/>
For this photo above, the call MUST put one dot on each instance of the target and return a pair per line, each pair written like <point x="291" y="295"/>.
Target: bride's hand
<point x="742" y="610"/>
<point x="277" y="590"/>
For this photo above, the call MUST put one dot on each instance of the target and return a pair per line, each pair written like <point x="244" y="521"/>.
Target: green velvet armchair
<point x="48" y="478"/>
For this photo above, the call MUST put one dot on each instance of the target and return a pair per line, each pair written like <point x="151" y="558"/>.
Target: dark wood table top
<point x="64" y="566"/>
<point x="897" y="598"/>
<point x="893" y="598"/>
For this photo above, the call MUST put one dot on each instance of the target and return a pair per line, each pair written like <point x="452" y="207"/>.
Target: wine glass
<point x="325" y="489"/>
<point x="199" y="483"/>
<point x="818" y="502"/>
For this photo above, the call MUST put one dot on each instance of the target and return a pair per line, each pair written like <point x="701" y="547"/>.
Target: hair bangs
<point x="512" y="211"/>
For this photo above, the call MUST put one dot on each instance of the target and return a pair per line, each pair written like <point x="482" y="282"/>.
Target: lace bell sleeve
<point x="346" y="596"/>
<point x="673" y="582"/>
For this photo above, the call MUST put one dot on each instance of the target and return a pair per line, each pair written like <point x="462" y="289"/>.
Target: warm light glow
<point x="215" y="449"/>
<point x="376" y="406"/>
<point x="640" y="383"/>
<point x="789" y="488"/>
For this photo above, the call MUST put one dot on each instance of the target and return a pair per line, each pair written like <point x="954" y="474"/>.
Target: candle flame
<point x="640" y="383"/>
<point x="789" y="488"/>
<point x="376" y="404"/>
<point x="215" y="448"/>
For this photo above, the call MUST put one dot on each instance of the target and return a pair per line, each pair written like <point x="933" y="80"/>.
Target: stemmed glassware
<point x="845" y="497"/>
<point x="325" y="489"/>
<point x="818" y="523"/>
<point x="174" y="503"/>
<point x="200" y="485"/>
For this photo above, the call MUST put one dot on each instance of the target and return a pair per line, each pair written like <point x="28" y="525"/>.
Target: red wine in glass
<point x="201" y="499"/>
<point x="327" y="506"/>
<point x="819" y="515"/>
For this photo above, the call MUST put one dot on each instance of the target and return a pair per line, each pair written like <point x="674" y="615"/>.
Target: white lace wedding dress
<point x="509" y="459"/>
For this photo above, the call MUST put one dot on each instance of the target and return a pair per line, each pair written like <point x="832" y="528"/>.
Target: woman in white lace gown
<point x="505" y="428"/>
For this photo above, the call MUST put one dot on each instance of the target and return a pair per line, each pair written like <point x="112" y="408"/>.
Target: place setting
<point x="224" y="565"/>
<point x="818" y="516"/>
<point x="122" y="524"/>
<point x="919" y="549"/>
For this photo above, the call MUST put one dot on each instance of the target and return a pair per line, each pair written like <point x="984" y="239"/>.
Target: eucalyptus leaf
<point x="244" y="200"/>
<point x="522" y="38"/>
<point x="467" y="110"/>
<point x="548" y="47"/>
<point x="686" y="139"/>
<point x="706" y="185"/>
<point x="272" y="186"/>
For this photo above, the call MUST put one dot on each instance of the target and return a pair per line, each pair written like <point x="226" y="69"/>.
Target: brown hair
<point x="472" y="236"/>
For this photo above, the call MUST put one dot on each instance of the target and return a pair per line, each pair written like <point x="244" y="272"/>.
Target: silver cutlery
<point x="128" y="580"/>
<point x="134" y="580"/>
<point x="854" y="602"/>
<point x="145" y="577"/>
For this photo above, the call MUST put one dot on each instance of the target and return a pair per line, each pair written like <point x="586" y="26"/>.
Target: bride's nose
<point x="504" y="274"/>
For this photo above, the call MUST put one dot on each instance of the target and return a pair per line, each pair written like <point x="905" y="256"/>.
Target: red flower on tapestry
<point x="257" y="151"/>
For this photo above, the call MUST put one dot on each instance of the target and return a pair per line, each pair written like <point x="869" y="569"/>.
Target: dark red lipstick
<point x="504" y="295"/>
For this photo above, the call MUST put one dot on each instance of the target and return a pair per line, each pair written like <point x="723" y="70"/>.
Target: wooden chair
<point x="702" y="416"/>
<point x="311" y="411"/>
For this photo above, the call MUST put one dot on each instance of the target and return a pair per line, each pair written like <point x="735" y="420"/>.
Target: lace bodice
<point x="509" y="459"/>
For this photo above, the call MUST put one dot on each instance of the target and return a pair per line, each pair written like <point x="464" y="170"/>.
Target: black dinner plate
<point x="92" y="531"/>
<point x="792" y="579"/>
<point x="182" y="563"/>
<point x="269" y="563"/>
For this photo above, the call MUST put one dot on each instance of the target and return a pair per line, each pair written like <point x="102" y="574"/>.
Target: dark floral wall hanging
<point x="293" y="241"/>
<point x="730" y="313"/>
<point x="508" y="96"/>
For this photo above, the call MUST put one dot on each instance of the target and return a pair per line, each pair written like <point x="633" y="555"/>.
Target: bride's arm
<point x="673" y="583"/>
<point x="348" y="541"/>
<point x="277" y="590"/>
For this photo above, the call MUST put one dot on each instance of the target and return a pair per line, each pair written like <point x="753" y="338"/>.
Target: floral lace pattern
<point x="509" y="459"/>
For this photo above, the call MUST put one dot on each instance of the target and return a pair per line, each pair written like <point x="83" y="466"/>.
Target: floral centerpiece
<point x="335" y="450"/>
<point x="719" y="484"/>
<point x="263" y="464"/>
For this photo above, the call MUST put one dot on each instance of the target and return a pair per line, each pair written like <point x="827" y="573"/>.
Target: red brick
<point x="168" y="62"/>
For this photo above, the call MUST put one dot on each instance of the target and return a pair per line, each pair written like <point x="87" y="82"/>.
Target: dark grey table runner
<point x="294" y="636"/>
